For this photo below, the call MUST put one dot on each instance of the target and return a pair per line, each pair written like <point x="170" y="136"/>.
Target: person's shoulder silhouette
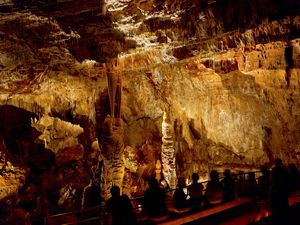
<point x="293" y="177"/>
<point x="264" y="183"/>
<point x="228" y="185"/>
<point x="279" y="189"/>
<point x="214" y="192"/>
<point x="179" y="197"/>
<point x="155" y="200"/>
<point x="120" y="207"/>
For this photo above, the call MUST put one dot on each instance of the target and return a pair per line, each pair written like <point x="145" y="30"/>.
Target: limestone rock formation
<point x="131" y="159"/>
<point x="113" y="151"/>
<point x="57" y="134"/>
<point x="227" y="71"/>
<point x="13" y="175"/>
<point x="168" y="152"/>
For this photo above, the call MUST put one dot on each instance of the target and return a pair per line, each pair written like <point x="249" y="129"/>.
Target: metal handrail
<point x="205" y="181"/>
<point x="82" y="221"/>
<point x="77" y="211"/>
<point x="102" y="207"/>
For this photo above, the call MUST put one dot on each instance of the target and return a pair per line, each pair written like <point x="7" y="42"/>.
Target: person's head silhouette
<point x="227" y="173"/>
<point x="278" y="162"/>
<point x="195" y="177"/>
<point x="153" y="183"/>
<point x="115" y="191"/>
<point x="214" y="176"/>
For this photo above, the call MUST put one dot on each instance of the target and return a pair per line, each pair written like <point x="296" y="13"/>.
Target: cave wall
<point x="231" y="112"/>
<point x="228" y="76"/>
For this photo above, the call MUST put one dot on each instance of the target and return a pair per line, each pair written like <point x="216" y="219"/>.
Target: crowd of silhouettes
<point x="273" y="186"/>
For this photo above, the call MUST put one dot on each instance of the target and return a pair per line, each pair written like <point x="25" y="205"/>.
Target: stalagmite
<point x="158" y="171"/>
<point x="103" y="7"/>
<point x="168" y="152"/>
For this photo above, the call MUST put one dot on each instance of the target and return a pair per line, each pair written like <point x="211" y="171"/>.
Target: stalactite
<point x="114" y="88"/>
<point x="168" y="152"/>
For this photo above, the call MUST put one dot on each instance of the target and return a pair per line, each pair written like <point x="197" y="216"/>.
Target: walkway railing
<point x="99" y="215"/>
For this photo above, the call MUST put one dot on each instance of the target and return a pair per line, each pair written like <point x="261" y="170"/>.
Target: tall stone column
<point x="113" y="142"/>
<point x="168" y="152"/>
<point x="113" y="154"/>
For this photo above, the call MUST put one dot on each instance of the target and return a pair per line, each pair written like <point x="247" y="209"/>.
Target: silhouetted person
<point x="228" y="185"/>
<point x="28" y="197"/>
<point x="264" y="183"/>
<point x="179" y="197"/>
<point x="214" y="192"/>
<point x="293" y="178"/>
<point x="91" y="195"/>
<point x="279" y="191"/>
<point x="241" y="185"/>
<point x="120" y="207"/>
<point x="51" y="185"/>
<point x="195" y="191"/>
<point x="251" y="185"/>
<point x="155" y="201"/>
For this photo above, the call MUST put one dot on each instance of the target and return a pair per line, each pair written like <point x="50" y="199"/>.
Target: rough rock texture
<point x="113" y="152"/>
<point x="57" y="134"/>
<point x="168" y="152"/>
<point x="13" y="175"/>
<point x="227" y="71"/>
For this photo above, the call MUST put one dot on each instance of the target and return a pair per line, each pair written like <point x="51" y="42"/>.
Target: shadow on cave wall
<point x="16" y="122"/>
<point x="22" y="140"/>
<point x="102" y="107"/>
<point x="250" y="13"/>
<point x="205" y="154"/>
